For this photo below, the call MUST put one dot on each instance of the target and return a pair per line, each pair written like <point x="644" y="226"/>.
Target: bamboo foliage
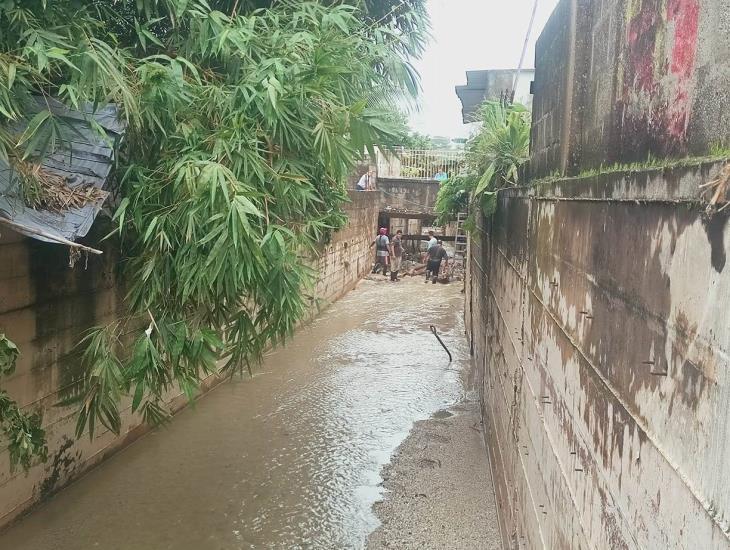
<point x="22" y="431"/>
<point x="243" y="124"/>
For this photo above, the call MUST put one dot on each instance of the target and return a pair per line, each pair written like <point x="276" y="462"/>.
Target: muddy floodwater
<point x="289" y="459"/>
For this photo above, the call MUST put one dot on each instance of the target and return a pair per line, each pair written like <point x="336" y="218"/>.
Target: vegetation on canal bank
<point x="23" y="432"/>
<point x="494" y="155"/>
<point x="244" y="119"/>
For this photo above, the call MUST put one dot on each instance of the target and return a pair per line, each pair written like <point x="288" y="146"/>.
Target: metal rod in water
<point x="433" y="329"/>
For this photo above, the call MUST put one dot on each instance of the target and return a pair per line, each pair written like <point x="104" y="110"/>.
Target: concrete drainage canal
<point x="295" y="457"/>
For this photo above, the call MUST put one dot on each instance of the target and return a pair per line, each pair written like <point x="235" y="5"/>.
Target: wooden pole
<point x="50" y="236"/>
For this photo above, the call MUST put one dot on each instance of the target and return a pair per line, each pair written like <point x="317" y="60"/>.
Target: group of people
<point x="389" y="255"/>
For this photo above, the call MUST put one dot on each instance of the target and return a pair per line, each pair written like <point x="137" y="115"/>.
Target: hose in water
<point x="433" y="329"/>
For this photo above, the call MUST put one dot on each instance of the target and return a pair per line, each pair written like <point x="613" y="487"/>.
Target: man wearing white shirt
<point x="367" y="181"/>
<point x="431" y="240"/>
<point x="431" y="243"/>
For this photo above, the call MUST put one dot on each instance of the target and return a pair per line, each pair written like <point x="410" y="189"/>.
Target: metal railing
<point x="425" y="164"/>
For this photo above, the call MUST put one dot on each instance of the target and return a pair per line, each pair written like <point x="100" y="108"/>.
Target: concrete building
<point x="493" y="84"/>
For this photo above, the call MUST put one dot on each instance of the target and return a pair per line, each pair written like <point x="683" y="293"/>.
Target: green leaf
<point x="8" y="355"/>
<point x="12" y="71"/>
<point x="60" y="55"/>
<point x="485" y="180"/>
<point x="34" y="126"/>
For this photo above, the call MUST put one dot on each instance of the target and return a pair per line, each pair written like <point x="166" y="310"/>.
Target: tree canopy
<point x="244" y="119"/>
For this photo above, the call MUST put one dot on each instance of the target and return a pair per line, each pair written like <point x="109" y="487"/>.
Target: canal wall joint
<point x="45" y="307"/>
<point x="597" y="298"/>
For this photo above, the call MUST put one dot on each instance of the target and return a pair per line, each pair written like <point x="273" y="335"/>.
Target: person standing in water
<point x="382" y="247"/>
<point x="436" y="254"/>
<point x="431" y="240"/>
<point x="396" y="255"/>
<point x="431" y="243"/>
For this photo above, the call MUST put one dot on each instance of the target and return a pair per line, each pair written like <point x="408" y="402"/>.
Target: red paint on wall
<point x="641" y="38"/>
<point x="684" y="15"/>
<point x="660" y="57"/>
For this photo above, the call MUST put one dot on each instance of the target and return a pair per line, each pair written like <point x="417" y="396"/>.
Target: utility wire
<point x="524" y="50"/>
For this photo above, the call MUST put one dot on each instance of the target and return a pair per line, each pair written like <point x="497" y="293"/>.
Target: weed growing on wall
<point x="453" y="196"/>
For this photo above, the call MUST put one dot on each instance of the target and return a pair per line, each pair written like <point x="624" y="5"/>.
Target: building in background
<point x="493" y="84"/>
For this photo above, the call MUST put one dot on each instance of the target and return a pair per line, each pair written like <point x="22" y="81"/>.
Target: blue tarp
<point x="84" y="156"/>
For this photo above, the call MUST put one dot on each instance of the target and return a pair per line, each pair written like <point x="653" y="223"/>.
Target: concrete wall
<point x="598" y="310"/>
<point x="44" y="308"/>
<point x="348" y="258"/>
<point x="408" y="194"/>
<point x="597" y="306"/>
<point x="617" y="80"/>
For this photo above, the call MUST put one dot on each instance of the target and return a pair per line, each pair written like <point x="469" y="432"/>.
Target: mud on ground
<point x="439" y="491"/>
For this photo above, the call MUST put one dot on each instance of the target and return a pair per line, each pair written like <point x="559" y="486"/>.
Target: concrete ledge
<point x="674" y="183"/>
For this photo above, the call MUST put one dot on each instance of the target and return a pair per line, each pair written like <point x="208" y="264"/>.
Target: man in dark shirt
<point x="436" y="254"/>
<point x="396" y="255"/>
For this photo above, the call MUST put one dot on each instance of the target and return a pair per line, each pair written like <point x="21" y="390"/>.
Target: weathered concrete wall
<point x="550" y="104"/>
<point x="598" y="309"/>
<point x="597" y="305"/>
<point x="617" y="80"/>
<point x="407" y="194"/>
<point x="44" y="308"/>
<point x="348" y="258"/>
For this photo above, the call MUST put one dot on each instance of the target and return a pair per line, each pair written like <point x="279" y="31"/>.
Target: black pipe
<point x="433" y="329"/>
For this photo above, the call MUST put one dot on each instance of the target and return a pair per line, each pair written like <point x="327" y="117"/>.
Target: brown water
<point x="288" y="459"/>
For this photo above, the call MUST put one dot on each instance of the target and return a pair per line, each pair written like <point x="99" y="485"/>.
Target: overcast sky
<point x="470" y="34"/>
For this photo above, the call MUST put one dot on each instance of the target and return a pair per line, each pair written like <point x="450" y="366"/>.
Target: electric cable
<point x="524" y="50"/>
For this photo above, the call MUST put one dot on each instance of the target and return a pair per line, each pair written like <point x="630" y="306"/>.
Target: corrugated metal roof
<point x="84" y="157"/>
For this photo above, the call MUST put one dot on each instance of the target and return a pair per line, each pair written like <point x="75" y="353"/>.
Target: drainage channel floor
<point x="291" y="458"/>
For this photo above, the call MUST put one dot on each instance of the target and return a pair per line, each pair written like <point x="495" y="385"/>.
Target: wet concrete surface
<point x="439" y="487"/>
<point x="289" y="459"/>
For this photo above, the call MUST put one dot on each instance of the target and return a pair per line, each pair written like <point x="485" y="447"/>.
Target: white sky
<point x="470" y="34"/>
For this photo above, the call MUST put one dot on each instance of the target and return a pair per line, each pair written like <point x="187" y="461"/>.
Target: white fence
<point x="426" y="164"/>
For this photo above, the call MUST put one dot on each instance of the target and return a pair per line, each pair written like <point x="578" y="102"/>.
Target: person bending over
<point x="436" y="254"/>
<point x="367" y="181"/>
